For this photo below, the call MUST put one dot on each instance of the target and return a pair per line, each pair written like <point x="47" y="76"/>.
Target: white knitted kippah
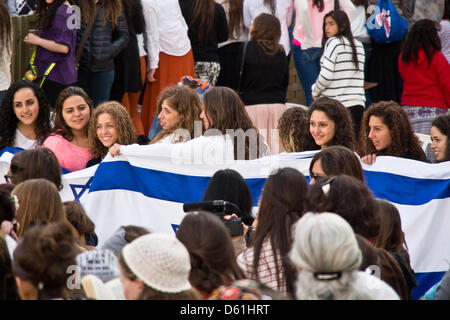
<point x="160" y="260"/>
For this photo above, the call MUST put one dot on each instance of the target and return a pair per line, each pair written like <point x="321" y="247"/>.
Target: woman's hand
<point x="369" y="159"/>
<point x="115" y="150"/>
<point x="244" y="226"/>
<point x="151" y="75"/>
<point x="32" y="39"/>
<point x="8" y="228"/>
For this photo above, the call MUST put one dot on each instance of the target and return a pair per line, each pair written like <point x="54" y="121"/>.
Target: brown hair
<point x="61" y="126"/>
<point x="111" y="11"/>
<point x="293" y="128"/>
<point x="34" y="164"/>
<point x="283" y="202"/>
<point x="235" y="18"/>
<point x="125" y="128"/>
<point x="442" y="123"/>
<point x="43" y="256"/>
<point x="39" y="201"/>
<point x="6" y="39"/>
<point x="133" y="232"/>
<point x="335" y="111"/>
<point x="266" y="31"/>
<point x="202" y="18"/>
<point x="212" y="255"/>
<point x="226" y="111"/>
<point x="149" y="293"/>
<point x="76" y="215"/>
<point x="349" y="198"/>
<point x="403" y="139"/>
<point x="336" y="160"/>
<point x="187" y="103"/>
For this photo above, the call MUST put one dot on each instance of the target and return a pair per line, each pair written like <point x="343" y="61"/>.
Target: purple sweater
<point x="61" y="32"/>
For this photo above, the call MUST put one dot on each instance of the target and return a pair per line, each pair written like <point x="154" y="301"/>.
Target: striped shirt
<point x="339" y="78"/>
<point x="267" y="272"/>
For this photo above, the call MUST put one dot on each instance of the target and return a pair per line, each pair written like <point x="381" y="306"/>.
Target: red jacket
<point x="426" y="86"/>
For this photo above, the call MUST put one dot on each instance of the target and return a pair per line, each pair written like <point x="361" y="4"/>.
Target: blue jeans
<point x="2" y="94"/>
<point x="307" y="63"/>
<point x="96" y="84"/>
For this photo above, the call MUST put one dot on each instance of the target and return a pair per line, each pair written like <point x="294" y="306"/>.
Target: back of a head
<point x="293" y="128"/>
<point x="123" y="236"/>
<point x="229" y="185"/>
<point x="348" y="197"/>
<point x="39" y="201"/>
<point x="43" y="256"/>
<point x="337" y="160"/>
<point x="212" y="254"/>
<point x="327" y="255"/>
<point x="34" y="164"/>
<point x="390" y="235"/>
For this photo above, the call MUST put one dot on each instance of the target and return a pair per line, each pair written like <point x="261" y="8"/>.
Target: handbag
<point x="244" y="52"/>
<point x="386" y="25"/>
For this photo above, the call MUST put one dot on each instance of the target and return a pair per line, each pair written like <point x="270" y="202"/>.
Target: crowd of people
<point x="163" y="77"/>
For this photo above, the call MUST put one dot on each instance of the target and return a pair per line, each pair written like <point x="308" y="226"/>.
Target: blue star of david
<point x="83" y="187"/>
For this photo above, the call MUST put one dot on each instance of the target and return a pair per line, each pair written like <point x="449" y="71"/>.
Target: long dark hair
<point x="344" y="30"/>
<point x="5" y="28"/>
<point x="8" y="119"/>
<point x="283" y="202"/>
<point x="203" y="18"/>
<point x="442" y="123"/>
<point x="235" y="18"/>
<point x="272" y="5"/>
<point x="266" y="32"/>
<point x="111" y="11"/>
<point x="318" y="4"/>
<point x="423" y="35"/>
<point x="46" y="12"/>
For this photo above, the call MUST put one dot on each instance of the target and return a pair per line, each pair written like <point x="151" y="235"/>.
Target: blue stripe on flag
<point x="158" y="184"/>
<point x="406" y="190"/>
<point x="425" y="281"/>
<point x="12" y="150"/>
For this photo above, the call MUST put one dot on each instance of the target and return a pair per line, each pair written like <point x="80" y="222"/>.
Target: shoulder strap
<point x="336" y="5"/>
<point x="244" y="52"/>
<point x="86" y="35"/>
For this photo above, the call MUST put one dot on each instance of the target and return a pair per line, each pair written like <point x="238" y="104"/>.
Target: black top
<point x="265" y="78"/>
<point x="205" y="51"/>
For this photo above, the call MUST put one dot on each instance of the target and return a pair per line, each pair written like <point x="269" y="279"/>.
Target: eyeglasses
<point x="7" y="178"/>
<point x="316" y="177"/>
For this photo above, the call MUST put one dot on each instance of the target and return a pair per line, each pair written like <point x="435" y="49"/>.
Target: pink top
<point x="70" y="156"/>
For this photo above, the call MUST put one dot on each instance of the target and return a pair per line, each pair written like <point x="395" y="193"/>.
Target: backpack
<point x="386" y="25"/>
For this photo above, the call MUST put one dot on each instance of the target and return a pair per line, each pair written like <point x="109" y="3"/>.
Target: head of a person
<point x="7" y="205"/>
<point x="46" y="10"/>
<point x="178" y="107"/>
<point x="327" y="256"/>
<point x="34" y="164"/>
<point x="336" y="24"/>
<point x="330" y="124"/>
<point x="82" y="226"/>
<point x="348" y="197"/>
<point x="334" y="161"/>
<point x="72" y="112"/>
<point x="390" y="235"/>
<point x="8" y="287"/>
<point x="423" y="35"/>
<point x="282" y="203"/>
<point x="39" y="201"/>
<point x="123" y="236"/>
<point x="266" y="30"/>
<point x="41" y="260"/>
<point x="110" y="124"/>
<point x="229" y="185"/>
<point x="293" y="130"/>
<point x="24" y="104"/>
<point x="156" y="266"/>
<point x="386" y="130"/>
<point x="440" y="137"/>
<point x="211" y="251"/>
<point x="225" y="112"/>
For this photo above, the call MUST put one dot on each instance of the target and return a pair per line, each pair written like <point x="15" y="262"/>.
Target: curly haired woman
<point x="387" y="131"/>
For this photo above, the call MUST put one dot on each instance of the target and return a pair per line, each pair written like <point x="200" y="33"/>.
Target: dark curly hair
<point x="43" y="256"/>
<point x="349" y="198"/>
<point x="335" y="111"/>
<point x="293" y="129"/>
<point x="403" y="139"/>
<point x="61" y="126"/>
<point x="212" y="255"/>
<point x="8" y="119"/>
<point x="423" y="35"/>
<point x="46" y="12"/>
<point x="442" y="123"/>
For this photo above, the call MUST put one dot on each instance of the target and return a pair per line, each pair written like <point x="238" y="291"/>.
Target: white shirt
<point x="243" y="33"/>
<point x="23" y="142"/>
<point x="165" y="30"/>
<point x="5" y="69"/>
<point x="358" y="24"/>
<point x="284" y="10"/>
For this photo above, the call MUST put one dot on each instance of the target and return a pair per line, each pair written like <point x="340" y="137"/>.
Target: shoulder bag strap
<point x="86" y="35"/>
<point x="244" y="52"/>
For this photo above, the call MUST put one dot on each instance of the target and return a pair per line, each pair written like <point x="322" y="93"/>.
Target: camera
<point x="220" y="208"/>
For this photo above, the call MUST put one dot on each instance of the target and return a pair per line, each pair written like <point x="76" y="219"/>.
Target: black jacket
<point x="103" y="44"/>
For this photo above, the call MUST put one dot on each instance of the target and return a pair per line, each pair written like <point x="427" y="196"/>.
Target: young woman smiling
<point x="24" y="116"/>
<point x="69" y="140"/>
<point x="330" y="124"/>
<point x="440" y="137"/>
<point x="386" y="130"/>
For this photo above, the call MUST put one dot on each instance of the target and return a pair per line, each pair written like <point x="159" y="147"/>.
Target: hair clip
<point x="326" y="186"/>
<point x="15" y="200"/>
<point x="327" y="276"/>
